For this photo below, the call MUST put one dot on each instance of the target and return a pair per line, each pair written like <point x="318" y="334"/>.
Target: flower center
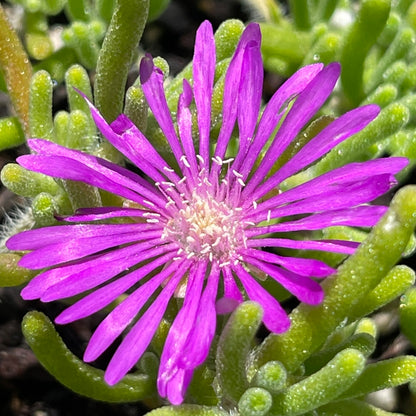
<point x="208" y="229"/>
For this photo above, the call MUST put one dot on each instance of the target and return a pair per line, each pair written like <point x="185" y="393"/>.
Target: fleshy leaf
<point x="69" y="370"/>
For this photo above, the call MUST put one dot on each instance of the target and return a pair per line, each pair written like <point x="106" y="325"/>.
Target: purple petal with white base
<point x="210" y="229"/>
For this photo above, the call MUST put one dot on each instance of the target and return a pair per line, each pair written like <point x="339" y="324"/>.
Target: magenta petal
<point x="137" y="340"/>
<point x="103" y="296"/>
<point x="93" y="276"/>
<point x="274" y="111"/>
<point x="334" y="197"/>
<point x="298" y="265"/>
<point x="345" y="247"/>
<point x="181" y="327"/>
<point x="102" y="213"/>
<point x="184" y="120"/>
<point x="250" y="36"/>
<point x="116" y="261"/>
<point x="361" y="216"/>
<point x="75" y="249"/>
<point x="152" y="85"/>
<point x="231" y="289"/>
<point x="308" y="102"/>
<point x="203" y="81"/>
<point x="275" y="317"/>
<point x="250" y="92"/>
<point x="349" y="174"/>
<point x="339" y="130"/>
<point x="118" y="319"/>
<point x="96" y="175"/>
<point x="128" y="139"/>
<point x="176" y="387"/>
<point x="41" y="237"/>
<point x="304" y="288"/>
<point x="200" y="338"/>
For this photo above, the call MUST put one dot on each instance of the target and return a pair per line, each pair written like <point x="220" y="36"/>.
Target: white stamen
<point x="254" y="204"/>
<point x="168" y="169"/>
<point x="241" y="182"/>
<point x="217" y="160"/>
<point x="208" y="228"/>
<point x="151" y="214"/>
<point x="201" y="159"/>
<point x="269" y="213"/>
<point x="237" y="174"/>
<point x="184" y="160"/>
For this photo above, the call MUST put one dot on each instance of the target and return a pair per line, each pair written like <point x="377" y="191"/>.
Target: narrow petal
<point x="137" y="340"/>
<point x="152" y="84"/>
<point x="103" y="213"/>
<point x="129" y="140"/>
<point x="41" y="237"/>
<point x="90" y="278"/>
<point x="115" y="261"/>
<point x="181" y="327"/>
<point x="232" y="294"/>
<point x="274" y="111"/>
<point x="298" y="265"/>
<point x="348" y="174"/>
<point x="74" y="249"/>
<point x="361" y="216"/>
<point x="249" y="97"/>
<point x="304" y="288"/>
<point x="250" y="92"/>
<point x="275" y="318"/>
<point x="338" y="246"/>
<point x="121" y="316"/>
<point x="231" y="87"/>
<point x="231" y="289"/>
<point x="46" y="148"/>
<point x="184" y="120"/>
<point x="334" y="197"/>
<point x="103" y="178"/>
<point x="339" y="130"/>
<point x="103" y="296"/>
<point x="306" y="105"/>
<point x="176" y="388"/>
<point x="199" y="341"/>
<point x="203" y="81"/>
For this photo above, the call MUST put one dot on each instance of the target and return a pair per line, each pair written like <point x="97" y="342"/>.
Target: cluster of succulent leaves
<point x="322" y="365"/>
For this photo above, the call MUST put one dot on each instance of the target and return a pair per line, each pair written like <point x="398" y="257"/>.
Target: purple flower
<point x="197" y="230"/>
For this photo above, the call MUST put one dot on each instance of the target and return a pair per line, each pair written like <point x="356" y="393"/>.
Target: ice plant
<point x="198" y="229"/>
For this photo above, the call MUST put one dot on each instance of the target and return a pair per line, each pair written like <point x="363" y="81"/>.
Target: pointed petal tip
<point x="205" y="28"/>
<point x="253" y="29"/>
<point x="187" y="93"/>
<point x="226" y="305"/>
<point x="146" y="68"/>
<point x="334" y="66"/>
<point x="27" y="293"/>
<point x="112" y="378"/>
<point x="281" y="327"/>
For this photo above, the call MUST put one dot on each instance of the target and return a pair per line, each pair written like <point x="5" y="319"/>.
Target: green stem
<point x="358" y="275"/>
<point x="123" y="35"/>
<point x="16" y="69"/>
<point x="69" y="370"/>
